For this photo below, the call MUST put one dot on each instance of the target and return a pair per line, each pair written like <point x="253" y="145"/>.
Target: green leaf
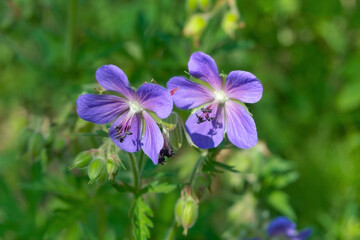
<point x="280" y="201"/>
<point x="156" y="187"/>
<point x="142" y="221"/>
<point x="213" y="166"/>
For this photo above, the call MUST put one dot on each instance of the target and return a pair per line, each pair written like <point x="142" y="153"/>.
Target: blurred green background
<point x="306" y="54"/>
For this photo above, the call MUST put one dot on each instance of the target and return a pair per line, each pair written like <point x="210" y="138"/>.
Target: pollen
<point x="134" y="107"/>
<point x="220" y="97"/>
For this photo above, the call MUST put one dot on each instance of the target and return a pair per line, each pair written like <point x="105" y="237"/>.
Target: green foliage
<point x="142" y="221"/>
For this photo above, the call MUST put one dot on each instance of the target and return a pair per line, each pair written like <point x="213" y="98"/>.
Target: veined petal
<point x="240" y="126"/>
<point x="113" y="78"/>
<point x="100" y="109"/>
<point x="203" y="67"/>
<point x="152" y="140"/>
<point x="243" y="86"/>
<point x="186" y="94"/>
<point x="280" y="225"/>
<point x="155" y="98"/>
<point x="207" y="134"/>
<point x="131" y="124"/>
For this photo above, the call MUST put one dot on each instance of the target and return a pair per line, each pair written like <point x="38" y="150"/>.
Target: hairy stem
<point x="135" y="170"/>
<point x="196" y="166"/>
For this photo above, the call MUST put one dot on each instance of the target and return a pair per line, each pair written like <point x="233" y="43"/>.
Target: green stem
<point x="171" y="232"/>
<point x="135" y="171"/>
<point x="195" y="168"/>
<point x="141" y="161"/>
<point x="102" y="220"/>
<point x="70" y="32"/>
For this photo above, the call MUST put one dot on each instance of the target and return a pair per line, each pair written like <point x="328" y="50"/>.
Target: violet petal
<point x="152" y="140"/>
<point x="243" y="86"/>
<point x="100" y="109"/>
<point x="241" y="129"/>
<point x="113" y="78"/>
<point x="203" y="67"/>
<point x="187" y="94"/>
<point x="303" y="235"/>
<point x="155" y="98"/>
<point x="279" y="226"/>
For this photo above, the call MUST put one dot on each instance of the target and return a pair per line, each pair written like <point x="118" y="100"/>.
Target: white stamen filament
<point x="135" y="107"/>
<point x="220" y="97"/>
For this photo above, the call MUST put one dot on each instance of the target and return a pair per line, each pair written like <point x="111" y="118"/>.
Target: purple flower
<point x="220" y="108"/>
<point x="129" y="112"/>
<point x="282" y="226"/>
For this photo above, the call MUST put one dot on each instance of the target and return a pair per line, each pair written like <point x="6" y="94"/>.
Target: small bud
<point x="170" y="122"/>
<point x="204" y="4"/>
<point x="191" y="5"/>
<point x="178" y="210"/>
<point x="36" y="143"/>
<point x="186" y="211"/>
<point x="102" y="176"/>
<point x="176" y="137"/>
<point x="112" y="168"/>
<point x="189" y="213"/>
<point x="95" y="169"/>
<point x="229" y="23"/>
<point x="82" y="160"/>
<point x="195" y="26"/>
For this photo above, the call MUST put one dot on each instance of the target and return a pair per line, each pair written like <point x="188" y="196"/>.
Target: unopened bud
<point x="204" y="4"/>
<point x="95" y="169"/>
<point x="189" y="214"/>
<point x="191" y="5"/>
<point x="186" y="211"/>
<point x="178" y="210"/>
<point x="195" y="26"/>
<point x="170" y="122"/>
<point x="36" y="143"/>
<point x="230" y="23"/>
<point x="82" y="160"/>
<point x="112" y="168"/>
<point x="176" y="137"/>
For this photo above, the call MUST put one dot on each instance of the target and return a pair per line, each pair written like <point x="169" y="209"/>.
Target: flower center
<point x="135" y="107"/>
<point x="220" y="96"/>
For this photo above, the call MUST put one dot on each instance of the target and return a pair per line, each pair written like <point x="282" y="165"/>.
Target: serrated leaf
<point x="142" y="221"/>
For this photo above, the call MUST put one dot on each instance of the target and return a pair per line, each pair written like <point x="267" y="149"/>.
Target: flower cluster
<point x="218" y="105"/>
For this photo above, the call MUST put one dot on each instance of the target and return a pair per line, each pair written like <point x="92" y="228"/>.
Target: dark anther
<point x="121" y="132"/>
<point x="206" y="110"/>
<point x="165" y="152"/>
<point x="161" y="161"/>
<point x="200" y="119"/>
